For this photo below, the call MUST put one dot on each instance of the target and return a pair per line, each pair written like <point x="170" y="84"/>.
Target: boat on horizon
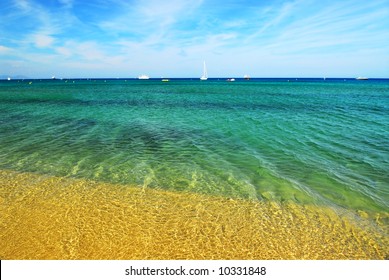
<point x="204" y="77"/>
<point x="246" y="77"/>
<point x="143" y="77"/>
<point x="231" y="80"/>
<point x="361" y="78"/>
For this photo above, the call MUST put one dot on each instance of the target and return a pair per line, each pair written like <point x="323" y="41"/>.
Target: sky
<point x="172" y="38"/>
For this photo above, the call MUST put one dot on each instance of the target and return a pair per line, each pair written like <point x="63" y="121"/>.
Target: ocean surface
<point x="310" y="141"/>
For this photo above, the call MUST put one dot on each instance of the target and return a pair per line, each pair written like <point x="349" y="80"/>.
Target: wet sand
<point x="45" y="217"/>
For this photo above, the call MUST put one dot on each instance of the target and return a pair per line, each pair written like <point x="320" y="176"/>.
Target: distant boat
<point x="143" y="77"/>
<point x="361" y="78"/>
<point x="9" y="78"/>
<point x="165" y="80"/>
<point x="231" y="80"/>
<point x="204" y="77"/>
<point x="246" y="77"/>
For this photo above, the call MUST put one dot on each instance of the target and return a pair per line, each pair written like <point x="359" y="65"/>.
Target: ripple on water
<point x="47" y="217"/>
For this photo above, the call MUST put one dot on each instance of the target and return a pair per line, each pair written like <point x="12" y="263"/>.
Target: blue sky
<point x="118" y="38"/>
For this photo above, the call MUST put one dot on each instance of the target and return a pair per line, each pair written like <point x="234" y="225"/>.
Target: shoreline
<point x="47" y="217"/>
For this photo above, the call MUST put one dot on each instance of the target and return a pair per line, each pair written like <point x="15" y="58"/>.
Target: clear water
<point x="307" y="141"/>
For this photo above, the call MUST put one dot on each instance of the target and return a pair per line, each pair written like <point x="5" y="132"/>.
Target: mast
<point x="205" y="74"/>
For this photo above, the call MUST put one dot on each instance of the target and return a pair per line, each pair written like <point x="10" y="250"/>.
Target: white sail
<point x="143" y="77"/>
<point x="204" y="77"/>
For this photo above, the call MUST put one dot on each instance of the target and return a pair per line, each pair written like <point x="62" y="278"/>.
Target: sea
<point x="308" y="141"/>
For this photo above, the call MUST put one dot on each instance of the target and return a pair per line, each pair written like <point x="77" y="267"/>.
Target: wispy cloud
<point x="149" y="21"/>
<point x="67" y="3"/>
<point x="272" y="17"/>
<point x="43" y="40"/>
<point x="4" y="49"/>
<point x="120" y="37"/>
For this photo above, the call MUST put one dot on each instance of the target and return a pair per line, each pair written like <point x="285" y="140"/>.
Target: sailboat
<point x="143" y="77"/>
<point x="204" y="77"/>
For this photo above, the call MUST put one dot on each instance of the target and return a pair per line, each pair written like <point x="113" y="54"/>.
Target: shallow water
<point x="306" y="143"/>
<point x="46" y="217"/>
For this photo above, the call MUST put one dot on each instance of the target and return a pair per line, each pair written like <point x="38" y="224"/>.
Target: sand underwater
<point x="47" y="217"/>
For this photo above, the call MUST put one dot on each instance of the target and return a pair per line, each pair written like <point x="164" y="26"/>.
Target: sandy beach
<point x="46" y="217"/>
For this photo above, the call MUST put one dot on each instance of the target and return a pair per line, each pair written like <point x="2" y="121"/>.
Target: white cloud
<point x="142" y="20"/>
<point x="4" y="49"/>
<point x="64" y="51"/>
<point x="332" y="27"/>
<point x="23" y="5"/>
<point x="43" y="40"/>
<point x="130" y="36"/>
<point x="275" y="16"/>
<point x="90" y="51"/>
<point x="66" y="3"/>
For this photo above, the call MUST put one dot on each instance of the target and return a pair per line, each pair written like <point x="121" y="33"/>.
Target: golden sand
<point x="60" y="218"/>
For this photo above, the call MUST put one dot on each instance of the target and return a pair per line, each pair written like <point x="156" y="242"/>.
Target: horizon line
<point x="20" y="77"/>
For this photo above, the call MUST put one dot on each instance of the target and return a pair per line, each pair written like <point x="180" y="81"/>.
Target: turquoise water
<point x="308" y="141"/>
